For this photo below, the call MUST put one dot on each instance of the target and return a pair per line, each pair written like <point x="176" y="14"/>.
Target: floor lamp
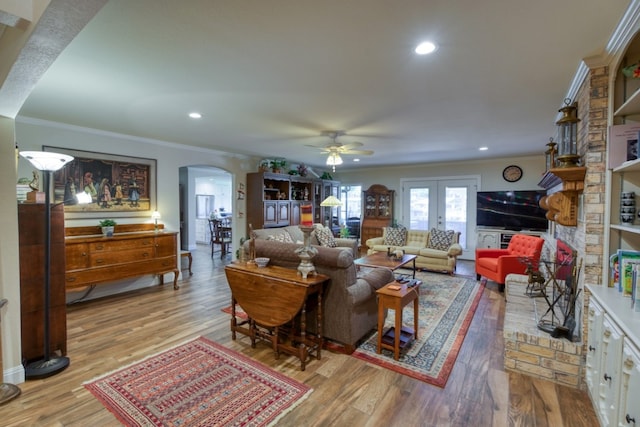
<point x="47" y="163"/>
<point x="330" y="202"/>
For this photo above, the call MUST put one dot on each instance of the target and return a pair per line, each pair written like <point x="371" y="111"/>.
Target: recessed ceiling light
<point x="483" y="148"/>
<point x="356" y="160"/>
<point x="195" y="115"/>
<point x="425" y="48"/>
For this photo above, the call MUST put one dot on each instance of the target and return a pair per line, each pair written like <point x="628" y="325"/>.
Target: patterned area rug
<point x="240" y="314"/>
<point x="447" y="306"/>
<point x="199" y="383"/>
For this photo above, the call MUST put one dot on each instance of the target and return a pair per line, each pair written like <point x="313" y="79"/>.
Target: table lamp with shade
<point x="47" y="162"/>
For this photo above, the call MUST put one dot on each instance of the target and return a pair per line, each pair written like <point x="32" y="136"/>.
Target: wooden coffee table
<point x="380" y="259"/>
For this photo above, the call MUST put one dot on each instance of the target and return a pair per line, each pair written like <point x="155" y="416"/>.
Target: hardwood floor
<point x="107" y="334"/>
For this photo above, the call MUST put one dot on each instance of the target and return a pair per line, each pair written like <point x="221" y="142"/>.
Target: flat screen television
<point x="511" y="210"/>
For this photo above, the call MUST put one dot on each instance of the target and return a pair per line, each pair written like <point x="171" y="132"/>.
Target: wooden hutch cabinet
<point x="377" y="211"/>
<point x="31" y="232"/>
<point x="274" y="199"/>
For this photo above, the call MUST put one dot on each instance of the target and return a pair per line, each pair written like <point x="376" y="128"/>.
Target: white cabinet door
<point x="488" y="239"/>
<point x="594" y="347"/>
<point x="610" y="371"/>
<point x="629" y="413"/>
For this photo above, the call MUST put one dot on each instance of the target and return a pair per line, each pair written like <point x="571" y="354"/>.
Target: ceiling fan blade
<point x="361" y="152"/>
<point x="351" y="145"/>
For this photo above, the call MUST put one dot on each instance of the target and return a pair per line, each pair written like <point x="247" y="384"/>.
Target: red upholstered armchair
<point x="495" y="264"/>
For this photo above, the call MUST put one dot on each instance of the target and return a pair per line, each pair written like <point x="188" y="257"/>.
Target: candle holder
<point x="306" y="253"/>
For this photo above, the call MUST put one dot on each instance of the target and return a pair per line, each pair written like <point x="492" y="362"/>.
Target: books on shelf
<point x="628" y="260"/>
<point x="624" y="267"/>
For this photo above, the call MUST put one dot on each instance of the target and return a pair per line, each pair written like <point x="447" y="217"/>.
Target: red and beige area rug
<point x="199" y="383"/>
<point x="447" y="306"/>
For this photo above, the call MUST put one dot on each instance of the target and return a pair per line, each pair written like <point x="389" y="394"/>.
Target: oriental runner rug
<point x="447" y="306"/>
<point x="199" y="383"/>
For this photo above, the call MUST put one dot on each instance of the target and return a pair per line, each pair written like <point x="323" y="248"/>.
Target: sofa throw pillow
<point x="282" y="237"/>
<point x="395" y="236"/>
<point x="325" y="237"/>
<point x="440" y="239"/>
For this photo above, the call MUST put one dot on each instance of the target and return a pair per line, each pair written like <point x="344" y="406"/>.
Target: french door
<point x="445" y="204"/>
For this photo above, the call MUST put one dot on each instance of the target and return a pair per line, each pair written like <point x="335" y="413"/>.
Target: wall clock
<point x="512" y="173"/>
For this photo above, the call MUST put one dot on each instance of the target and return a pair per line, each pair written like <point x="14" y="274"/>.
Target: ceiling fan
<point x="335" y="148"/>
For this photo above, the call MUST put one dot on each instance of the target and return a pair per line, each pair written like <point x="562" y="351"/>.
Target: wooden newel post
<point x="7" y="391"/>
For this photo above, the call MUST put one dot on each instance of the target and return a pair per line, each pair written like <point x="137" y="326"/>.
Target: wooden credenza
<point x="31" y="232"/>
<point x="133" y="250"/>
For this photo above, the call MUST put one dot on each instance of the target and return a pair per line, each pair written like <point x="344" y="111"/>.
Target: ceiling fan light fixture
<point x="333" y="160"/>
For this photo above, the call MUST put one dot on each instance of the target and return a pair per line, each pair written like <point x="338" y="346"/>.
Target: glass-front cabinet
<point x="378" y="211"/>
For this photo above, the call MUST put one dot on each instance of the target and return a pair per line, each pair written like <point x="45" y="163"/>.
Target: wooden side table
<point x="396" y="300"/>
<point x="187" y="254"/>
<point x="275" y="297"/>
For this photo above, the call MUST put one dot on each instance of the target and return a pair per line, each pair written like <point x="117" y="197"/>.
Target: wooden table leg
<point x="175" y="279"/>
<point x="234" y="322"/>
<point x="380" y="323"/>
<point x="319" y="324"/>
<point x="397" y="332"/>
<point x="302" y="348"/>
<point x="416" y="311"/>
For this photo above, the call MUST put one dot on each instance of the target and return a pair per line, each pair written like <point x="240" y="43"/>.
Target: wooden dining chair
<point x="220" y="235"/>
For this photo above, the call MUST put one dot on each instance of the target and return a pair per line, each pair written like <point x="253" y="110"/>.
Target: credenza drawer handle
<point x="99" y="261"/>
<point x="71" y="279"/>
<point x="145" y="255"/>
<point x="99" y="247"/>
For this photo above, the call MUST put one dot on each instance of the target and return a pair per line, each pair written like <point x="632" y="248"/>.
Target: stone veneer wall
<point x="531" y="351"/>
<point x="588" y="237"/>
<point x="526" y="351"/>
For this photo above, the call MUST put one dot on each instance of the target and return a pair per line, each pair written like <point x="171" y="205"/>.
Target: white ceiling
<point x="269" y="76"/>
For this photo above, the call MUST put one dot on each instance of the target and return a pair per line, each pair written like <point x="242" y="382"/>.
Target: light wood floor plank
<point x="107" y="334"/>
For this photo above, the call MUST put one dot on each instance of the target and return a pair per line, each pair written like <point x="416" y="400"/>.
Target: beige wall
<point x="489" y="171"/>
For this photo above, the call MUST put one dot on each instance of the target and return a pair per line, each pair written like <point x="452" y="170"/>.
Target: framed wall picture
<point x="118" y="186"/>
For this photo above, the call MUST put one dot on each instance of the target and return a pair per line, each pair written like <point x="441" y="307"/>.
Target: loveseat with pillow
<point x="436" y="250"/>
<point x="320" y="236"/>
<point x="349" y="309"/>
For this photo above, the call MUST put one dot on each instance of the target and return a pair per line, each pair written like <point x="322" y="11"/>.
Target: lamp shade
<point x="331" y="201"/>
<point x="46" y="161"/>
<point x="156" y="215"/>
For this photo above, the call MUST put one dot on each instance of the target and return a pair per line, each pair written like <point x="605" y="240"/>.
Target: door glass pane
<point x="419" y="211"/>
<point x="456" y="211"/>
<point x="350" y="213"/>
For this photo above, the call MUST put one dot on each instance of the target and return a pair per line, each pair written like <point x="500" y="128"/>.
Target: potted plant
<point x="278" y="165"/>
<point x="107" y="227"/>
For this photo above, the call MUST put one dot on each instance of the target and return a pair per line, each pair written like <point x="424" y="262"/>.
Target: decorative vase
<point x="306" y="253"/>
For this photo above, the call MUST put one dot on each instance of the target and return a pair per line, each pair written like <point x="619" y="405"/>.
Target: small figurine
<point x="35" y="184"/>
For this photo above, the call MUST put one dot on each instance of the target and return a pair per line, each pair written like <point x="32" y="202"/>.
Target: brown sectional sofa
<point x="350" y="309"/>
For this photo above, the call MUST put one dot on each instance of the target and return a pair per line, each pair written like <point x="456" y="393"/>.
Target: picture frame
<point x="130" y="184"/>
